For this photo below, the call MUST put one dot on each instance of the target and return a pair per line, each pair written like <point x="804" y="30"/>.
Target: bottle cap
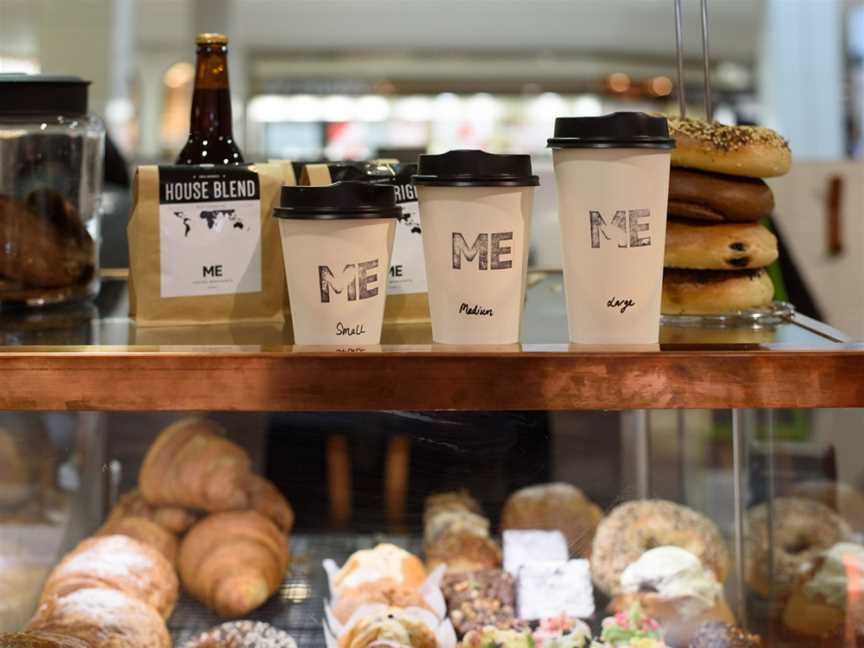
<point x="211" y="39"/>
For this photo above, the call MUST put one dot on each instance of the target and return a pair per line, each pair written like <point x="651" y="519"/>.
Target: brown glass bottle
<point x="211" y="137"/>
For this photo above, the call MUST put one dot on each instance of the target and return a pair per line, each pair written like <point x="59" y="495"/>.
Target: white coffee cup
<point x="612" y="176"/>
<point x="336" y="242"/>
<point x="475" y="215"/>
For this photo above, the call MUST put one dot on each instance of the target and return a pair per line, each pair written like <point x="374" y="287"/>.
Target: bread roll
<point x="554" y="506"/>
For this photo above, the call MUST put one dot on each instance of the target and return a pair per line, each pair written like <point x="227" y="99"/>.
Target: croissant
<point x="120" y="563"/>
<point x="144" y="530"/>
<point x="232" y="562"/>
<point x="40" y="640"/>
<point x="190" y="464"/>
<point x="265" y="498"/>
<point x="175" y="519"/>
<point x="103" y="618"/>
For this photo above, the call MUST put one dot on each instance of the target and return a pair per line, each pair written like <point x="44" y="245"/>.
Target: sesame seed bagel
<point x="721" y="246"/>
<point x="715" y="292"/>
<point x="633" y="528"/>
<point x="803" y="530"/>
<point x="750" y="151"/>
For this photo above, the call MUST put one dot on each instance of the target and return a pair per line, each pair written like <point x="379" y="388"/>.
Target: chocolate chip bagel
<point x="727" y="246"/>
<point x="633" y="528"/>
<point x="749" y="151"/>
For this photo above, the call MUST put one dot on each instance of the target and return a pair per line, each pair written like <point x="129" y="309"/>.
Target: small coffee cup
<point x="336" y="242"/>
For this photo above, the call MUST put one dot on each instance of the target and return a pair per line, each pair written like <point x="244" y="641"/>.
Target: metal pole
<point x="738" y="495"/>
<point x="679" y="49"/>
<point x="706" y="62"/>
<point x="682" y="453"/>
<point x="770" y="492"/>
<point x="643" y="454"/>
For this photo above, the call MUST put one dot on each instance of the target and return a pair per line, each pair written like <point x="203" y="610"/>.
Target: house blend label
<point x="407" y="267"/>
<point x="209" y="231"/>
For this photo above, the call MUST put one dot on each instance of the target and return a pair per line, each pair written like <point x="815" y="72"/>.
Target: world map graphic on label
<point x="214" y="218"/>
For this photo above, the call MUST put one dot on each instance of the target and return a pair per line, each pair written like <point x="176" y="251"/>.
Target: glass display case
<point x="739" y="445"/>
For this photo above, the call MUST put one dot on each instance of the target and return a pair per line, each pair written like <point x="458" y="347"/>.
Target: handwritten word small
<point x="357" y="329"/>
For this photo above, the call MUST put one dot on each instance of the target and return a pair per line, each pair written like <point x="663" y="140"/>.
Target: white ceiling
<point x="601" y="27"/>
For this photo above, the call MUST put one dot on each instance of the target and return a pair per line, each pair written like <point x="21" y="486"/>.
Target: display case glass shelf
<point x="92" y="357"/>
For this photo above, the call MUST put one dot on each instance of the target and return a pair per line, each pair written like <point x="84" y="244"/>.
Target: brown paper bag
<point x="204" y="246"/>
<point x="407" y="295"/>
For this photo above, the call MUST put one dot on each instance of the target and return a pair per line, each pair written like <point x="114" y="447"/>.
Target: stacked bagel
<point x="716" y="250"/>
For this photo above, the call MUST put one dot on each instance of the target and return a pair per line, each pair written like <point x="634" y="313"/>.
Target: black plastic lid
<point x="337" y="201"/>
<point x="42" y="94"/>
<point x="618" y="130"/>
<point x="473" y="168"/>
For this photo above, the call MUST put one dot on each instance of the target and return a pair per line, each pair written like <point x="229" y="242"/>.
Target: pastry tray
<point x="298" y="607"/>
<point x="777" y="313"/>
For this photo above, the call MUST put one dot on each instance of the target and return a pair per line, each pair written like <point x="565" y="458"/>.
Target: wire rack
<point x="298" y="607"/>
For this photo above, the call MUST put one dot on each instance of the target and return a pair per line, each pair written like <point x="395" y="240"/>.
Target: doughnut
<point x="749" y="151"/>
<point x="717" y="634"/>
<point x="847" y="500"/>
<point x="242" y="634"/>
<point x="633" y="528"/>
<point x="724" y="246"/>
<point x="702" y="196"/>
<point x="803" y="530"/>
<point x="711" y="292"/>
<point x="554" y="506"/>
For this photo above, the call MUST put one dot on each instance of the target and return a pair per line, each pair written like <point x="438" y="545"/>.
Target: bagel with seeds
<point x="751" y="151"/>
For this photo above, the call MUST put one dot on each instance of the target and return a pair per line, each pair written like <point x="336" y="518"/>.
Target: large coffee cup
<point x="612" y="176"/>
<point x="475" y="214"/>
<point x="337" y="241"/>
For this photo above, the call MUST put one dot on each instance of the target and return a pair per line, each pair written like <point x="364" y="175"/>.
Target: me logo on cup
<point x="489" y="256"/>
<point x="357" y="286"/>
<point x="621" y="220"/>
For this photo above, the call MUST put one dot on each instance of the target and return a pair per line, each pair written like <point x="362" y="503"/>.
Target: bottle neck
<point x="211" y="100"/>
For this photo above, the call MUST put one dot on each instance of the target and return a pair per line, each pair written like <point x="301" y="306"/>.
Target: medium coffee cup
<point x="337" y="241"/>
<point x="475" y="215"/>
<point x="612" y="176"/>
